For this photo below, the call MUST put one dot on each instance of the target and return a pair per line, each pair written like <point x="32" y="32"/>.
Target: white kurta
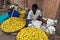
<point x="31" y="15"/>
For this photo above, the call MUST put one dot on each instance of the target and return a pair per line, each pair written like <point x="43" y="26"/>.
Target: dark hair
<point x="34" y="6"/>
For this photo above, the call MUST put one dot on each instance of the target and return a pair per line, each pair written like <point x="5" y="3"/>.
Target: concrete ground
<point x="4" y="36"/>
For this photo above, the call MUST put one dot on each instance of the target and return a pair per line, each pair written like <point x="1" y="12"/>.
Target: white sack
<point x="51" y="30"/>
<point x="50" y="22"/>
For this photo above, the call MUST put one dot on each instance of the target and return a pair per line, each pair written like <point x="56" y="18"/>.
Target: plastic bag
<point x="13" y="13"/>
<point x="51" y="30"/>
<point x="3" y="17"/>
<point x="50" y="22"/>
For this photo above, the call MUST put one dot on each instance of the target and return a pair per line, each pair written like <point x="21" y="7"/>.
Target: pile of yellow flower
<point x="31" y="33"/>
<point x="13" y="24"/>
<point x="22" y="13"/>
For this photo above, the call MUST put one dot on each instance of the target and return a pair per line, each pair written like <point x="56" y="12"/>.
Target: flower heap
<point x="31" y="33"/>
<point x="13" y="24"/>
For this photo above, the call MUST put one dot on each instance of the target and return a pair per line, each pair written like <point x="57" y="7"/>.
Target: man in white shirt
<point x="35" y="13"/>
<point x="33" y="16"/>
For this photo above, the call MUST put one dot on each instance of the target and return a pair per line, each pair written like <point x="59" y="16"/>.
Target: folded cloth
<point x="36" y="23"/>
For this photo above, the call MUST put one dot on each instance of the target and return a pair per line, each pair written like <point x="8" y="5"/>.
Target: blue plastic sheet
<point x="3" y="17"/>
<point x="15" y="13"/>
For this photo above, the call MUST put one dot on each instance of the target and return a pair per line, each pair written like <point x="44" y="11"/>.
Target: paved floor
<point x="4" y="36"/>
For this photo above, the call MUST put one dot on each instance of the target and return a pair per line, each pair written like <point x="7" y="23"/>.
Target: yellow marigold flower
<point x="13" y="24"/>
<point x="31" y="33"/>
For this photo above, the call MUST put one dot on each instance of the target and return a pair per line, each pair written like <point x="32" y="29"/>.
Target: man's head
<point x="34" y="7"/>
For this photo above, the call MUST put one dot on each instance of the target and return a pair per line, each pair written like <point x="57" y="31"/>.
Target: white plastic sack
<point x="36" y="23"/>
<point x="51" y="30"/>
<point x="50" y="22"/>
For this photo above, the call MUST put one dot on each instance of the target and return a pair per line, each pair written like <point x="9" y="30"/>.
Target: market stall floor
<point x="4" y="36"/>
